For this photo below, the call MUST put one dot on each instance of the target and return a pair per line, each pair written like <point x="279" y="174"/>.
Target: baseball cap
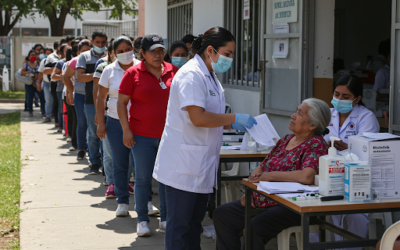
<point x="152" y="41"/>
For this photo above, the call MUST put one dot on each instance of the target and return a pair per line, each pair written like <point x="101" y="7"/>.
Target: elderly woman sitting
<point x="294" y="159"/>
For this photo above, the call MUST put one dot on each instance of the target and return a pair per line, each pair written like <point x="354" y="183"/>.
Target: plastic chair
<point x="231" y="186"/>
<point x="386" y="219"/>
<point x="284" y="236"/>
<point x="390" y="236"/>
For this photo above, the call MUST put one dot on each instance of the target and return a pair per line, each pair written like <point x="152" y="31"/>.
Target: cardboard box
<point x="384" y="158"/>
<point x="357" y="182"/>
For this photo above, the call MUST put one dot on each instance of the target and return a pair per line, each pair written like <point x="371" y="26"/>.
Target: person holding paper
<point x="293" y="159"/>
<point x="188" y="156"/>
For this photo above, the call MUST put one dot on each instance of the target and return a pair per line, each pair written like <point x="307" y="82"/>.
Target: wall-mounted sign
<point x="246" y="9"/>
<point x="284" y="11"/>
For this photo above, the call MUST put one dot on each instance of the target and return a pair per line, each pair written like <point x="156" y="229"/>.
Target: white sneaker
<point x="69" y="139"/>
<point x="122" y="210"/>
<point x="162" y="226"/>
<point x="142" y="229"/>
<point x="152" y="209"/>
<point x="72" y="148"/>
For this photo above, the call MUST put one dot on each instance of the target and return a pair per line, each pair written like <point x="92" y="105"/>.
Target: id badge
<point x="163" y="86"/>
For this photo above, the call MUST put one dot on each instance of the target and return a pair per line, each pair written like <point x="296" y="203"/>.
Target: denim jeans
<point x="72" y="124"/>
<point x="93" y="140"/>
<point x="49" y="99"/>
<point x="107" y="159"/>
<point x="122" y="162"/>
<point x="42" y="102"/>
<point x="60" y="110"/>
<point x="53" y="87"/>
<point x="30" y="94"/>
<point x="81" y="129"/>
<point x="36" y="98"/>
<point x="144" y="156"/>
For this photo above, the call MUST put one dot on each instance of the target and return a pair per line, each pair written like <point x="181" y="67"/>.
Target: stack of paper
<point x="284" y="187"/>
<point x="264" y="133"/>
<point x="380" y="136"/>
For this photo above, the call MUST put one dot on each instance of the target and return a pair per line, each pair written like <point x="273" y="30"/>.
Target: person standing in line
<point x="41" y="79"/>
<point x="76" y="97"/>
<point x="56" y="76"/>
<point x="146" y="86"/>
<point x="110" y="129"/>
<point x="84" y="73"/>
<point x="178" y="53"/>
<point x="31" y="67"/>
<point x="188" y="158"/>
<point x="137" y="44"/>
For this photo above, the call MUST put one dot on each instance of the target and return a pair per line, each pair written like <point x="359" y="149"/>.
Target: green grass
<point x="12" y="94"/>
<point x="10" y="169"/>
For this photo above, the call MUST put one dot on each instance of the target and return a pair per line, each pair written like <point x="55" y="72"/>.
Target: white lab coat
<point x="359" y="121"/>
<point x="188" y="156"/>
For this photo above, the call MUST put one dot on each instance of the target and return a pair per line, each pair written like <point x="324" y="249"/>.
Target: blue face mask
<point x="222" y="65"/>
<point x="342" y="106"/>
<point x="99" y="50"/>
<point x="178" y="61"/>
<point x="42" y="56"/>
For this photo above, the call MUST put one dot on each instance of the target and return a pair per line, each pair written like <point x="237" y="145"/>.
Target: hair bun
<point x="196" y="44"/>
<point x="326" y="131"/>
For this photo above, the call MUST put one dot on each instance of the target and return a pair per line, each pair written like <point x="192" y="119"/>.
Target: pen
<point x="299" y="198"/>
<point x="332" y="198"/>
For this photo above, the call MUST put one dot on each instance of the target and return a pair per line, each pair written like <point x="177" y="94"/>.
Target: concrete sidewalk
<point x="64" y="207"/>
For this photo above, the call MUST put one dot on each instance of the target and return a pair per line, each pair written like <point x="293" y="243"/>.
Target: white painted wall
<point x="324" y="38"/>
<point x="156" y="17"/>
<point x="243" y="101"/>
<point x="207" y="14"/>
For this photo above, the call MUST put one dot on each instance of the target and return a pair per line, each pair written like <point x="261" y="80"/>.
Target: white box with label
<point x="384" y="158"/>
<point x="357" y="182"/>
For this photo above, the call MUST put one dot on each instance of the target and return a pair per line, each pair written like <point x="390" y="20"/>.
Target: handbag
<point x="24" y="79"/>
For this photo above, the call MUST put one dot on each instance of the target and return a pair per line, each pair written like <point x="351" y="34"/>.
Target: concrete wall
<point x="156" y="17"/>
<point x="19" y="58"/>
<point x="207" y="14"/>
<point x="141" y="18"/>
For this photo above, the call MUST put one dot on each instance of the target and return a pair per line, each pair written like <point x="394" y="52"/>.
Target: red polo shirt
<point x="149" y="100"/>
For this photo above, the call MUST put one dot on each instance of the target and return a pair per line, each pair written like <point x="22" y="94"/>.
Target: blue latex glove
<point x="245" y="120"/>
<point x="239" y="127"/>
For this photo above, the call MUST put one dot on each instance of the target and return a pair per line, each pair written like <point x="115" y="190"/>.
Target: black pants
<point x="229" y="222"/>
<point x="55" y="100"/>
<point x="72" y="124"/>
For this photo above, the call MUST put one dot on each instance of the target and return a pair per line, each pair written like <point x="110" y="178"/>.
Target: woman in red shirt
<point x="147" y="87"/>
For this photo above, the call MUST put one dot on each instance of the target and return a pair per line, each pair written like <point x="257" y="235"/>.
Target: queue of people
<point x="140" y="112"/>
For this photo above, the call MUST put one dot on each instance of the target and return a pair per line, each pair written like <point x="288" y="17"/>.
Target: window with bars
<point x="180" y="20"/>
<point x="244" y="73"/>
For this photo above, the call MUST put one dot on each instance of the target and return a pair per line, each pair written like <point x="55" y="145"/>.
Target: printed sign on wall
<point x="285" y="11"/>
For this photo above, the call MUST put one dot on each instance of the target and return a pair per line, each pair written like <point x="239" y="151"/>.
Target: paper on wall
<point x="281" y="48"/>
<point x="264" y="133"/>
<point x="26" y="47"/>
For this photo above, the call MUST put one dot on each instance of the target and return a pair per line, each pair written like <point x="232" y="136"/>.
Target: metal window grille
<point x="244" y="73"/>
<point x="112" y="28"/>
<point x="180" y="20"/>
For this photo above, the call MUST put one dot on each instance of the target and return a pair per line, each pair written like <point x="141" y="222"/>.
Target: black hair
<point x="41" y="50"/>
<point x="69" y="55"/>
<point x="216" y="37"/>
<point x="98" y="34"/>
<point x="177" y="44"/>
<point x="80" y="38"/>
<point x="56" y="44"/>
<point x="63" y="40"/>
<point x="189" y="38"/>
<point x="75" y="42"/>
<point x="121" y="39"/>
<point x="110" y="48"/>
<point x="353" y="83"/>
<point x="83" y="43"/>
<point x="31" y="51"/>
<point x="138" y="43"/>
<point x="384" y="48"/>
<point x="37" y="45"/>
<point x="48" y="49"/>
<point x="69" y="38"/>
<point x="62" y="48"/>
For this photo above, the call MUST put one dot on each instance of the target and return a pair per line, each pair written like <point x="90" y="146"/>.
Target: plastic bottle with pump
<point x="331" y="172"/>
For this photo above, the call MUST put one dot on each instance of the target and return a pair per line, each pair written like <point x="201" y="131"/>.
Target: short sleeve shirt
<point x="32" y="69"/>
<point x="87" y="61"/>
<point x="59" y="66"/>
<point x="79" y="87"/>
<point x="382" y="78"/>
<point x="41" y="69"/>
<point x="305" y="155"/>
<point x="149" y="99"/>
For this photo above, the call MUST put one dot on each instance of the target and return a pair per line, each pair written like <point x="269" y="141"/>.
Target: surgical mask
<point x="42" y="56"/>
<point x="99" y="50"/>
<point x="125" y="58"/>
<point x="222" y="65"/>
<point x="32" y="58"/>
<point x="178" y="61"/>
<point x="342" y="106"/>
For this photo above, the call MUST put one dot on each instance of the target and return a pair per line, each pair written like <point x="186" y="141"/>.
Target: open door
<point x="394" y="97"/>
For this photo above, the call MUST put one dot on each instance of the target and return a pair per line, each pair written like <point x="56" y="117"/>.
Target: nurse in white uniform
<point x="350" y="117"/>
<point x="188" y="157"/>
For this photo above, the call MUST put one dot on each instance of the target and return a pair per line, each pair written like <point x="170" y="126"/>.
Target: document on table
<point x="284" y="187"/>
<point x="380" y="136"/>
<point x="264" y="133"/>
<point x="231" y="147"/>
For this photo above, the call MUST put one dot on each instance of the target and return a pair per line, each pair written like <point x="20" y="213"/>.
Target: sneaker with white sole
<point x="72" y="148"/>
<point x="122" y="210"/>
<point x="69" y="140"/>
<point x="142" y="229"/>
<point x="162" y="226"/>
<point x="152" y="209"/>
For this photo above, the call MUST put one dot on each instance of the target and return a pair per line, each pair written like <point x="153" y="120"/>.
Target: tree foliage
<point x="11" y="11"/>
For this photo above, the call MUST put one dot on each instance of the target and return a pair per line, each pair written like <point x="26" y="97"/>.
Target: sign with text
<point x="285" y="11"/>
<point x="246" y="9"/>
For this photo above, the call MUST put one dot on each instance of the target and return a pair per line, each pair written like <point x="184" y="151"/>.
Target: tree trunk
<point x="57" y="23"/>
<point x="8" y="25"/>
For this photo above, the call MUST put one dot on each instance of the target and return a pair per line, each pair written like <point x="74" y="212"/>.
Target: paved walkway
<point x="64" y="208"/>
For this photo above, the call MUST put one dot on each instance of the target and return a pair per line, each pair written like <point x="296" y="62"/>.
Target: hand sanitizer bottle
<point x="331" y="172"/>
